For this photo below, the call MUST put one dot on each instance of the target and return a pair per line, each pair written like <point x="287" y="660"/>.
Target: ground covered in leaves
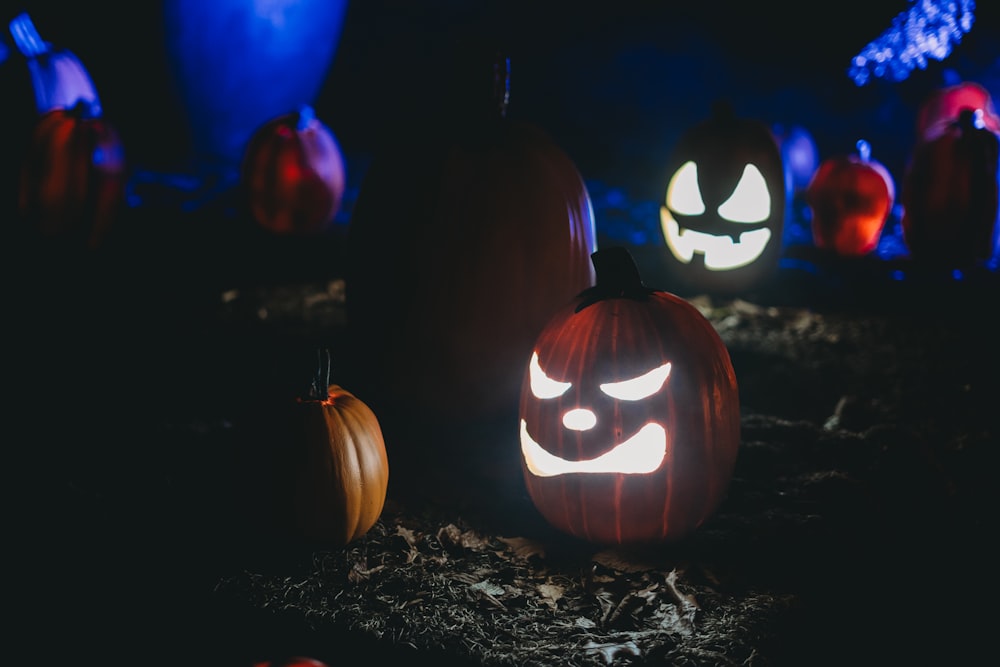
<point x="859" y="527"/>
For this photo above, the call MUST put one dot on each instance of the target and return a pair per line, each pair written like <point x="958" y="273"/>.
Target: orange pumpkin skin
<point x="73" y="178"/>
<point x="950" y="196"/>
<point x="851" y="197"/>
<point x="449" y="291"/>
<point x="343" y="471"/>
<point x="609" y="335"/>
<point x="294" y="175"/>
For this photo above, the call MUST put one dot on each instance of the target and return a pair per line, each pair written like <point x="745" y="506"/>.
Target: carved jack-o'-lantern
<point x="850" y="197"/>
<point x="724" y="212"/>
<point x="629" y="414"/>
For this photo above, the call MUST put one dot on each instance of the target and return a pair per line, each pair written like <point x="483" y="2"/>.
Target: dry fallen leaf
<point x="523" y="547"/>
<point x="455" y="536"/>
<point x="551" y="593"/>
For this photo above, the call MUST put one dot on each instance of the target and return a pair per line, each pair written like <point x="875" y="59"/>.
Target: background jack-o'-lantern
<point x="850" y="197"/>
<point x="629" y="415"/>
<point x="950" y="195"/>
<point x="468" y="232"/>
<point x="723" y="217"/>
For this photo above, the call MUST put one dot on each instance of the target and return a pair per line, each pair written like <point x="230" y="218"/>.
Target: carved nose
<point x="579" y="419"/>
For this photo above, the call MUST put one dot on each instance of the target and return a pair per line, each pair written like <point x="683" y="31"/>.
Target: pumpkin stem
<point x="864" y="150"/>
<point x="970" y="119"/>
<point x="26" y="37"/>
<point x="84" y="109"/>
<point x="321" y="380"/>
<point x="617" y="277"/>
<point x="306" y="115"/>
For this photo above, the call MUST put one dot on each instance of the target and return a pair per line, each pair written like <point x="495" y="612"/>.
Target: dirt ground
<point x="858" y="528"/>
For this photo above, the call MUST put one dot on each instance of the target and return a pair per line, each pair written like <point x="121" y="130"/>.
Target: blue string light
<point x="929" y="29"/>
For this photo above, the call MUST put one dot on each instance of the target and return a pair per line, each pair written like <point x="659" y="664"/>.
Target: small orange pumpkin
<point x="73" y="178"/>
<point x="336" y="471"/>
<point x="850" y="197"/>
<point x="293" y="174"/>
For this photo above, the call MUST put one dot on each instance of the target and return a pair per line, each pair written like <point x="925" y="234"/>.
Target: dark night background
<point x="614" y="83"/>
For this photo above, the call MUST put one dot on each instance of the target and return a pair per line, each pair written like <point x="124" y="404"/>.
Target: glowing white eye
<point x="640" y="387"/>
<point x="683" y="193"/>
<point x="542" y="386"/>
<point x="749" y="201"/>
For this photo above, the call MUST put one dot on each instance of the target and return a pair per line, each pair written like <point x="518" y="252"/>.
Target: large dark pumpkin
<point x="72" y="182"/>
<point x="629" y="413"/>
<point x="466" y="236"/>
<point x="723" y="215"/>
<point x="950" y="195"/>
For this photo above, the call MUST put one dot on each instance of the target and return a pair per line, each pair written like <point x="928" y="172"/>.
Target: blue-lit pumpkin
<point x="723" y="215"/>
<point x="629" y="413"/>
<point x="293" y="174"/>
<point x="238" y="64"/>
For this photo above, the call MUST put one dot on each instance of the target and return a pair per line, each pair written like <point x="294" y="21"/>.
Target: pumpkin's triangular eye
<point x="542" y="386"/>
<point x="683" y="193"/>
<point x="750" y="201"/>
<point x="637" y="388"/>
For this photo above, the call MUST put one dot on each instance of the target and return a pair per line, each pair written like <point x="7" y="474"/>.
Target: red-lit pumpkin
<point x="851" y="197"/>
<point x="950" y="195"/>
<point x="942" y="107"/>
<point x="294" y="661"/>
<point x="73" y="178"/>
<point x="629" y="414"/>
<point x="723" y="216"/>
<point x="294" y="175"/>
<point x="465" y="237"/>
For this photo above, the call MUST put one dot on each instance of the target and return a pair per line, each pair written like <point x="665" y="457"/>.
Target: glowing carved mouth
<point x="642" y="453"/>
<point x="721" y="252"/>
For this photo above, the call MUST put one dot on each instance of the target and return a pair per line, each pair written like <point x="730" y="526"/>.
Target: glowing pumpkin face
<point x="723" y="217"/>
<point x="629" y="413"/>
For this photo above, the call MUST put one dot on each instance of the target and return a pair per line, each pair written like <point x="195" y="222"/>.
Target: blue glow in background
<point x="614" y="83"/>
